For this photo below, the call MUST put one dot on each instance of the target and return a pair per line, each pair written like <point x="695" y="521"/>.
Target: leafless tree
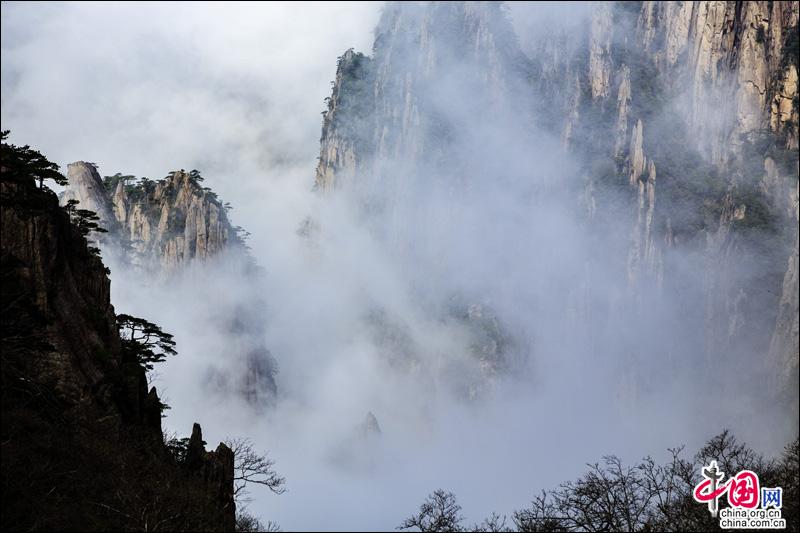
<point x="439" y="512"/>
<point x="649" y="496"/>
<point x="252" y="467"/>
<point x="494" y="524"/>
<point x="245" y="522"/>
<point x="613" y="497"/>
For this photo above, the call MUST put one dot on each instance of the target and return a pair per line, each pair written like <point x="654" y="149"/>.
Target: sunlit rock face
<point x="682" y="118"/>
<point x="167" y="223"/>
<point x="86" y="187"/>
<point x="173" y="221"/>
<point x="717" y="77"/>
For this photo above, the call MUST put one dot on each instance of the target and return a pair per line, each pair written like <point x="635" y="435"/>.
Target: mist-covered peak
<point x="407" y="116"/>
<point x="369" y="426"/>
<point x="425" y="38"/>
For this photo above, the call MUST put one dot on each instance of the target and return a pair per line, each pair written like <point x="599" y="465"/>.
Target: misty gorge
<point x="435" y="266"/>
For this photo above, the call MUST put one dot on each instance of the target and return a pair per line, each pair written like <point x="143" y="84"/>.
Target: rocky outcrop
<point x="170" y="222"/>
<point x="162" y="228"/>
<point x="86" y="187"/>
<point x="82" y="441"/>
<point x="216" y="468"/>
<point x="369" y="428"/>
<point x="343" y="140"/>
<point x="600" y="51"/>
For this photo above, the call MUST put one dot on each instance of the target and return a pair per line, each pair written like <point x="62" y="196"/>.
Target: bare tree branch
<point x="252" y="467"/>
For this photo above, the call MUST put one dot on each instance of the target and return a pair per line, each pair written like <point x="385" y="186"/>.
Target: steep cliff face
<point x="738" y="55"/>
<point x="385" y="111"/>
<point x="683" y="117"/>
<point x="732" y="64"/>
<point x="169" y="223"/>
<point x="82" y="441"/>
<point x="397" y="137"/>
<point x="784" y="349"/>
<point x="86" y="187"/>
<point x="161" y="229"/>
<point x="714" y="84"/>
<point x="719" y="78"/>
<point x="176" y="221"/>
<point x="343" y="142"/>
<point x="706" y="98"/>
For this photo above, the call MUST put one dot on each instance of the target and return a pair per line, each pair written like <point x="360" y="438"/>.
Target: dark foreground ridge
<point x="82" y="445"/>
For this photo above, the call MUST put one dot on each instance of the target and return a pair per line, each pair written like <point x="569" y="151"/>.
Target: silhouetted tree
<point x="645" y="497"/>
<point x="179" y="448"/>
<point x="247" y="522"/>
<point x="70" y="206"/>
<point x="110" y="182"/>
<point x="85" y="220"/>
<point x="439" y="512"/>
<point x="144" y="340"/>
<point x="494" y="524"/>
<point x="23" y="162"/>
<point x="240" y="236"/>
<point x="252" y="467"/>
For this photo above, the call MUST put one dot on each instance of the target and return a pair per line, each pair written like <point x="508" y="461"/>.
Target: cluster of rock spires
<point x="82" y="440"/>
<point x="688" y="109"/>
<point x="164" y="227"/>
<point x="168" y="223"/>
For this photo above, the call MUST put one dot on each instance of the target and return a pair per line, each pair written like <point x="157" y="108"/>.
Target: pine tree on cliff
<point x="144" y="340"/>
<point x="85" y="220"/>
<point x="23" y="162"/>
